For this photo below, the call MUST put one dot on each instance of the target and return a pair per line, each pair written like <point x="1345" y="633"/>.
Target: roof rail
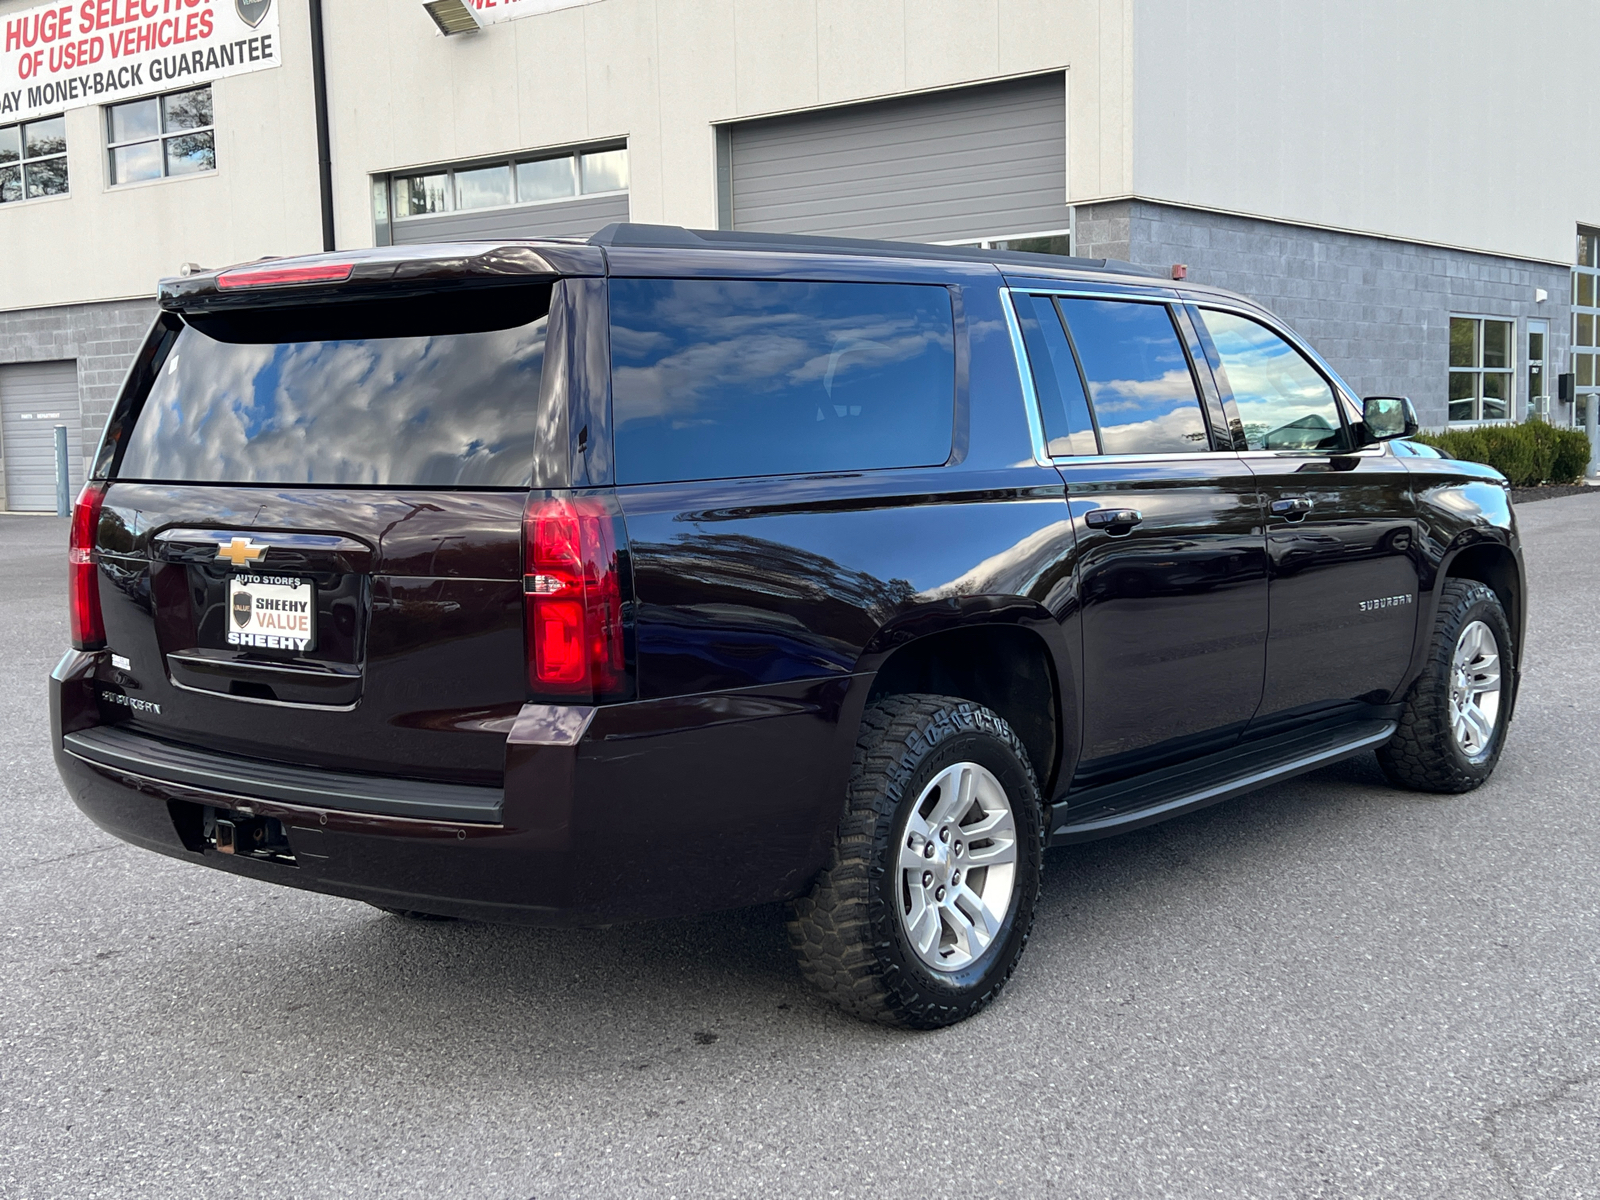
<point x="627" y="233"/>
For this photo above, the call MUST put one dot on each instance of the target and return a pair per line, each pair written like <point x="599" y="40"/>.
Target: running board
<point x="1130" y="803"/>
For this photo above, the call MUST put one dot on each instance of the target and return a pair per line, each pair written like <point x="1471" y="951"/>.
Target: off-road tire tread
<point x="831" y="927"/>
<point x="1421" y="755"/>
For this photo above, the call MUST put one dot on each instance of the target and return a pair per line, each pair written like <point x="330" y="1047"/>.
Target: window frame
<point x="23" y="161"/>
<point x="1509" y="370"/>
<point x="390" y="181"/>
<point x="1586" y="265"/>
<point x="161" y="138"/>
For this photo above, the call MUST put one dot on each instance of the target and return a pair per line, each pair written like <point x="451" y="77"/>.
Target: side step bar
<point x="249" y="778"/>
<point x="1131" y="803"/>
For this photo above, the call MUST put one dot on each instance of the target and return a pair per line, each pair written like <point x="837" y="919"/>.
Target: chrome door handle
<point x="1114" y="520"/>
<point x="1293" y="507"/>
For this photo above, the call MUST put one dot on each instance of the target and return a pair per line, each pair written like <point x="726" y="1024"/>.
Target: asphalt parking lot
<point x="1327" y="989"/>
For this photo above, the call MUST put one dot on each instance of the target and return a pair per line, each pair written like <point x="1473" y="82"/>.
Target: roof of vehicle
<point x="678" y="238"/>
<point x="425" y="267"/>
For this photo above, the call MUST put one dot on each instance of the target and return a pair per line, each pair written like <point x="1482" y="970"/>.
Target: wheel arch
<point x="1002" y="657"/>
<point x="1495" y="565"/>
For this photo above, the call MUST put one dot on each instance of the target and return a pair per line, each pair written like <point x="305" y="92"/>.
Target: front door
<point x="1341" y="535"/>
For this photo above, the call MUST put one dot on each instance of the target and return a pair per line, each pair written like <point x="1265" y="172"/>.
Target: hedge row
<point x="1528" y="454"/>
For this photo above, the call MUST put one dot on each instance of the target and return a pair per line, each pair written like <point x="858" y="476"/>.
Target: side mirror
<point x="1385" y="418"/>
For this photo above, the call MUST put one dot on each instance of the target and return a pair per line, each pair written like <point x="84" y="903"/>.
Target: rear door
<point x="1171" y="574"/>
<point x="1341" y="528"/>
<point x="310" y="548"/>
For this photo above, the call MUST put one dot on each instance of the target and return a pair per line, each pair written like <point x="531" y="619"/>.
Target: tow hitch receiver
<point x="247" y="835"/>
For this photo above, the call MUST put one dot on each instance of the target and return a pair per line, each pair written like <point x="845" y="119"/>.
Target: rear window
<point x="326" y="398"/>
<point x="716" y="379"/>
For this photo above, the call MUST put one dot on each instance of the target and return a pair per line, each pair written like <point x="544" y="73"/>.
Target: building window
<point x="1480" y="368"/>
<point x="1057" y="241"/>
<point x="1586" y="317"/>
<point x="33" y="160"/>
<point x="164" y="135"/>
<point x="512" y="181"/>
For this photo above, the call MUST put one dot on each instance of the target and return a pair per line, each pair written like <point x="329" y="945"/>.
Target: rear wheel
<point x="927" y="898"/>
<point x="410" y="914"/>
<point x="1454" y="721"/>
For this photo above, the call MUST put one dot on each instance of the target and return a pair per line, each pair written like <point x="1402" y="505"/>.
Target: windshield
<point x="451" y="409"/>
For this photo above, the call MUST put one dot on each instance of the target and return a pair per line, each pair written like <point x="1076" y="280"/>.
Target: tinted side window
<point x="1284" y="403"/>
<point x="1139" y="380"/>
<point x="1063" y="407"/>
<point x="716" y="379"/>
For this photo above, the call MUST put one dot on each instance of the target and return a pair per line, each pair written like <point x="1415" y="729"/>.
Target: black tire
<point x="1423" y="755"/>
<point x="847" y="932"/>
<point x="410" y="914"/>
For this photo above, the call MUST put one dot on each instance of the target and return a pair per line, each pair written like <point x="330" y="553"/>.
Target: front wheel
<point x="927" y="898"/>
<point x="1454" y="722"/>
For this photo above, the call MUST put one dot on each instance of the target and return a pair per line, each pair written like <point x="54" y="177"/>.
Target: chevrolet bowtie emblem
<point x="240" y="551"/>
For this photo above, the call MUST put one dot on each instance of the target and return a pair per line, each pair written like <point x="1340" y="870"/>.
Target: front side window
<point x="718" y="379"/>
<point x="160" y="136"/>
<point x="33" y="159"/>
<point x="1139" y="380"/>
<point x="1284" y="402"/>
<point x="1480" y="369"/>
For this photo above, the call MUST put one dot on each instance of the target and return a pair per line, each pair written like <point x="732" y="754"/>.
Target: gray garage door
<point x="34" y="399"/>
<point x="970" y="163"/>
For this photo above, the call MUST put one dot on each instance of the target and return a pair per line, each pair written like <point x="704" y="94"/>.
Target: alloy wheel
<point x="1474" y="689"/>
<point x="957" y="867"/>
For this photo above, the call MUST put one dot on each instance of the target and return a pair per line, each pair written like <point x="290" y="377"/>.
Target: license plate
<point x="272" y="612"/>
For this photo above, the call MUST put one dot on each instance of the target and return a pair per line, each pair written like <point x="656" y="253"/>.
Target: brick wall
<point x="101" y="338"/>
<point x="1377" y="310"/>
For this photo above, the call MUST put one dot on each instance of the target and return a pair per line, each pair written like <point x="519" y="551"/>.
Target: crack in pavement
<point x="45" y="862"/>
<point x="1551" y="1096"/>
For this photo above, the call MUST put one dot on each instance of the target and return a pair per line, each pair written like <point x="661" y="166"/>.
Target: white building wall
<point x="1463" y="124"/>
<point x="662" y="73"/>
<point x="109" y="243"/>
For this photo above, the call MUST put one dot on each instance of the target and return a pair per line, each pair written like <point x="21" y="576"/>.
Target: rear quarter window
<point x="719" y="379"/>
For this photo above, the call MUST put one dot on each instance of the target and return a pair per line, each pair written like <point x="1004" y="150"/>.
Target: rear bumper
<point x="657" y="808"/>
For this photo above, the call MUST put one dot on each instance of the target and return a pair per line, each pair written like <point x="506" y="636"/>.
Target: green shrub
<point x="1528" y="454"/>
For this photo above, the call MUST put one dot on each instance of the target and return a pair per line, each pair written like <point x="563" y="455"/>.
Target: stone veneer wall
<point x="101" y="338"/>
<point x="1378" y="310"/>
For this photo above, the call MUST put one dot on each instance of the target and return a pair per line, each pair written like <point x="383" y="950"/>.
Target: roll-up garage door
<point x="969" y="163"/>
<point x="34" y="399"/>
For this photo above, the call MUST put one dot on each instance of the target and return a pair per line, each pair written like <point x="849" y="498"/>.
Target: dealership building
<point x="1407" y="185"/>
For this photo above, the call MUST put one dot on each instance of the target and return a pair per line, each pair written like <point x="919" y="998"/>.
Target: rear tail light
<point x="83" y="581"/>
<point x="276" y="276"/>
<point x="572" y="599"/>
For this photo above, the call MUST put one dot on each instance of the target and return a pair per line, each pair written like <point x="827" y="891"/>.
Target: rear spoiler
<point x="392" y="271"/>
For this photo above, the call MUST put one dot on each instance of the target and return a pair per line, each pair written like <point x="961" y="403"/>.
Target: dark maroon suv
<point x="579" y="582"/>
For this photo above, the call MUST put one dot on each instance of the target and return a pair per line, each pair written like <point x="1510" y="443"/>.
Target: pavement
<point x="1326" y="989"/>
